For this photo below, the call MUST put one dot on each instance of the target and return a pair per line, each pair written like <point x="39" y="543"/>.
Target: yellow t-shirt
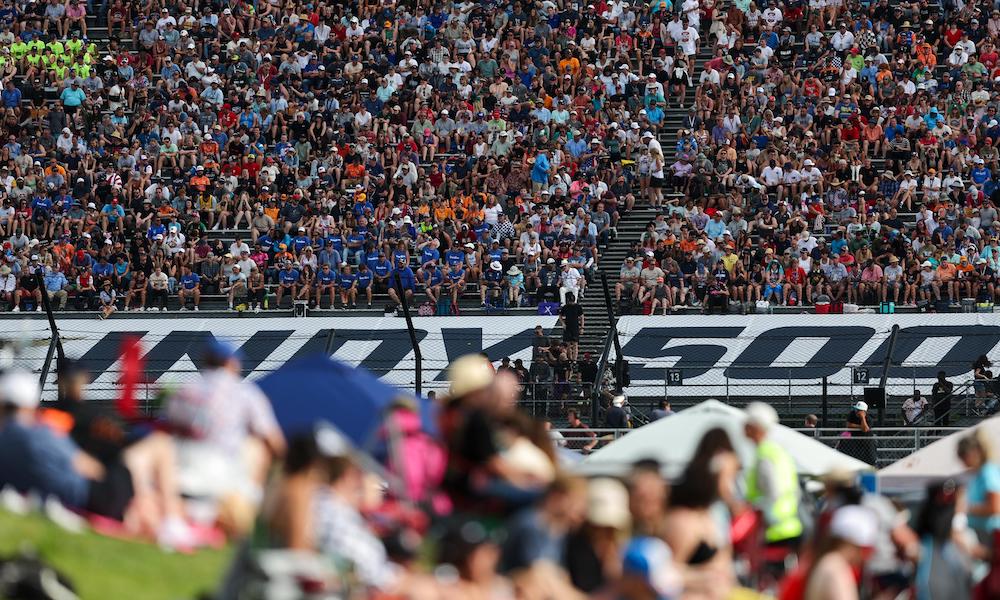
<point x="729" y="261"/>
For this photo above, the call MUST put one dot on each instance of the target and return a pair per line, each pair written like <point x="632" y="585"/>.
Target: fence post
<point x="789" y="390"/>
<point x="417" y="360"/>
<point x="55" y="345"/>
<point x="330" y="336"/>
<point x="825" y="404"/>
<point x="613" y="328"/>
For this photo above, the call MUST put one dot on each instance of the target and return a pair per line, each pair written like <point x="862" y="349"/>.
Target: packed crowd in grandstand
<point x="279" y="153"/>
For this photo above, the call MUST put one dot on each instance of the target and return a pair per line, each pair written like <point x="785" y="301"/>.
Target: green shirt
<point x="18" y="49"/>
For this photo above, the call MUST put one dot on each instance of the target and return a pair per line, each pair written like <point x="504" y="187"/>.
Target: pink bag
<point x="421" y="459"/>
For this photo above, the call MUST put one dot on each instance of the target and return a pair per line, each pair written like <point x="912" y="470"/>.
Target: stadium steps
<point x="629" y="228"/>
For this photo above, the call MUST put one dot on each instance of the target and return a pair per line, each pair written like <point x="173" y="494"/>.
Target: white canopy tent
<point x="673" y="440"/>
<point x="935" y="461"/>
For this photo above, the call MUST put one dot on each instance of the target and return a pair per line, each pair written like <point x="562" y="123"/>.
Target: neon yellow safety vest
<point x="783" y="515"/>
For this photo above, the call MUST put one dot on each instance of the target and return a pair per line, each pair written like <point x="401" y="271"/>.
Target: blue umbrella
<point x="317" y="388"/>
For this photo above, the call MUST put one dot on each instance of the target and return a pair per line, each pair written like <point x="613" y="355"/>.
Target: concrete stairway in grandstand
<point x="630" y="228"/>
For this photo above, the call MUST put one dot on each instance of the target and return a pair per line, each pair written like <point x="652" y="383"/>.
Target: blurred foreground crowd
<point x="484" y="504"/>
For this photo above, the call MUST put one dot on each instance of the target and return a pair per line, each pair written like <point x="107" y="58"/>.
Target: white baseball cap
<point x="856" y="525"/>
<point x="20" y="389"/>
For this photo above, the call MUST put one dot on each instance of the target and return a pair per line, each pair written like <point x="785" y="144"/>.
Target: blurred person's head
<point x="936" y="516"/>
<point x="760" y="417"/>
<point x="219" y="354"/>
<point x="852" y="533"/>
<point x="471" y="378"/>
<point x="20" y="392"/>
<point x="72" y="377"/>
<point x="713" y="466"/>
<point x="471" y="549"/>
<point x="565" y="504"/>
<point x="974" y="450"/>
<point x="648" y="494"/>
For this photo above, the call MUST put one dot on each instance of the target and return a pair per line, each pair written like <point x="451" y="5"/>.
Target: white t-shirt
<point x="689" y="40"/>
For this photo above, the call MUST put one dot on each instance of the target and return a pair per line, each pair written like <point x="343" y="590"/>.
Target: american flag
<point x="115" y="180"/>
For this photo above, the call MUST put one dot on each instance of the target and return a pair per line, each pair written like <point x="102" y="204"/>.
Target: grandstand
<point x="693" y="96"/>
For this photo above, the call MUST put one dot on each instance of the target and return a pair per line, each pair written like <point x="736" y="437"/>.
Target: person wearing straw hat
<point x="892" y="280"/>
<point x="490" y="288"/>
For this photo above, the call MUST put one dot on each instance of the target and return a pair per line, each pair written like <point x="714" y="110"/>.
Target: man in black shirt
<point x="539" y="343"/>
<point x="548" y="279"/>
<point x="616" y="417"/>
<point x="27" y="286"/>
<point x="571" y="319"/>
<point x="588" y="369"/>
<point x="941" y="399"/>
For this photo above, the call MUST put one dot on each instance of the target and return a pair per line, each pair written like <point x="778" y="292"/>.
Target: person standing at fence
<point x="616" y="417"/>
<point x="571" y="318"/>
<point x="663" y="410"/>
<point x="857" y="441"/>
<point x="941" y="399"/>
<point x="772" y="482"/>
<point x="582" y="438"/>
<point x="914" y="407"/>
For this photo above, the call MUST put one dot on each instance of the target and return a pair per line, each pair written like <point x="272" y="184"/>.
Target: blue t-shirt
<point x="405" y="276"/>
<point x="299" y="242"/>
<point x="364" y="278"/>
<point x="37" y="459"/>
<point x="155" y="230"/>
<point x="105" y="270"/>
<point x="266" y="243"/>
<point x="980" y="175"/>
<point x="455" y="276"/>
<point x="432" y="277"/>
<point x="382" y="268"/>
<point x="190" y="281"/>
<point x="429" y="255"/>
<point x="986" y="481"/>
<point x="42" y="205"/>
<point x="347" y="280"/>
<point x="454" y="257"/>
<point x="289" y="276"/>
<point x="325" y="277"/>
<point x="355" y="240"/>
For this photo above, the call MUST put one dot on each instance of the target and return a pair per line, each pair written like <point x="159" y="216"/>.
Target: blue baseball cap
<point x="650" y="559"/>
<point x="222" y="349"/>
